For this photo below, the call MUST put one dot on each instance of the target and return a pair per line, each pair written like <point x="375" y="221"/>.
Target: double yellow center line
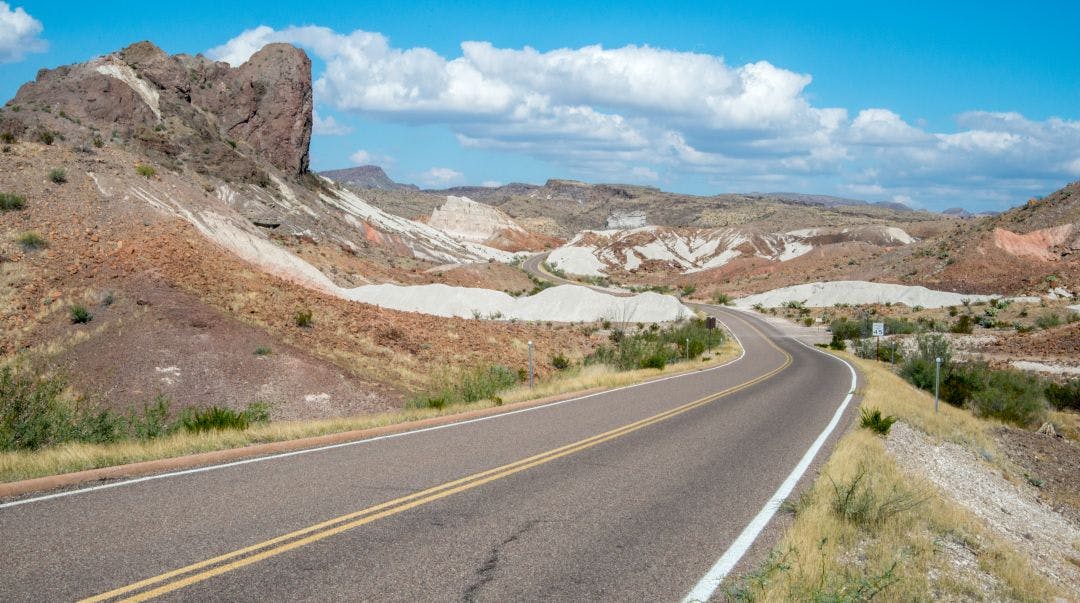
<point x="204" y="570"/>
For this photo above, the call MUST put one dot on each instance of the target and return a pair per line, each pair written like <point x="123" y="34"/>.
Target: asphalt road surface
<point x="633" y="494"/>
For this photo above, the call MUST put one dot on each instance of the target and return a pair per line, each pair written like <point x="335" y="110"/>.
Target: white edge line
<point x="708" y="584"/>
<point x="282" y="455"/>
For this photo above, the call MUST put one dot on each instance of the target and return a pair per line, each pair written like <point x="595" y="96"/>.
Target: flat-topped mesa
<point x="180" y="108"/>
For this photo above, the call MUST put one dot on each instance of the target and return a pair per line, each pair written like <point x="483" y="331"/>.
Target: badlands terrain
<point x="172" y="197"/>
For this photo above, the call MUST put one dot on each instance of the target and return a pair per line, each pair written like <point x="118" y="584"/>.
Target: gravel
<point x="1012" y="511"/>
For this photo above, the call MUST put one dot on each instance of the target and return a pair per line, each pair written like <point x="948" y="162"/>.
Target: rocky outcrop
<point x="368" y="177"/>
<point x="181" y="109"/>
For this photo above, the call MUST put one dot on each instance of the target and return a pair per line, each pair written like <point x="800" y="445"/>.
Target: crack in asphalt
<point x="486" y="573"/>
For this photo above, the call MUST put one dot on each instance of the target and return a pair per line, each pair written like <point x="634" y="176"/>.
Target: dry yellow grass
<point x="77" y="457"/>
<point x="912" y="555"/>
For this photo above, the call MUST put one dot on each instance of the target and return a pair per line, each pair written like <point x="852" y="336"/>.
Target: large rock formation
<point x="181" y="109"/>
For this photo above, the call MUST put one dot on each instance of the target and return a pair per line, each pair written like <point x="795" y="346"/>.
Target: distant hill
<point x="367" y="177"/>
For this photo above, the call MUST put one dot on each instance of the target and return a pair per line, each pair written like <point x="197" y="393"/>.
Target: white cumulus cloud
<point x="19" y="34"/>
<point x="441" y="176"/>
<point x="328" y="126"/>
<point x="609" y="112"/>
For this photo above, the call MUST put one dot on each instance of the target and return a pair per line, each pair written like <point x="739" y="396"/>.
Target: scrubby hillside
<point x="160" y="234"/>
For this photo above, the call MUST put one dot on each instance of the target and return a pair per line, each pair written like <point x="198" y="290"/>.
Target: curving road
<point x="633" y="494"/>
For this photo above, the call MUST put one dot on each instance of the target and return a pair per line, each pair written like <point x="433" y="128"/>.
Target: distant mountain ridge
<point x="368" y="177"/>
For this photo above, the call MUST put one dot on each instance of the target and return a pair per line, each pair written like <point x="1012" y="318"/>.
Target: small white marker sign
<point x="879" y="329"/>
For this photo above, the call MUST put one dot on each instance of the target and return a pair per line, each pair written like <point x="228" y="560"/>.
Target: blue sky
<point x="936" y="105"/>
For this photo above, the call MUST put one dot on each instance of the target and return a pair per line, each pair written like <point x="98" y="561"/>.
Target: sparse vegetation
<point x="721" y="299"/>
<point x="262" y="350"/>
<point x="465" y="387"/>
<point x="1065" y="395"/>
<point x="10" y="202"/>
<point x="46" y="137"/>
<point x="36" y="413"/>
<point x="31" y="241"/>
<point x="873" y="420"/>
<point x="7" y="138"/>
<point x="656" y="348"/>
<point x="1048" y="321"/>
<point x="303" y="318"/>
<point x="57" y="176"/>
<point x="560" y="362"/>
<point x="79" y="314"/>
<point x="146" y="171"/>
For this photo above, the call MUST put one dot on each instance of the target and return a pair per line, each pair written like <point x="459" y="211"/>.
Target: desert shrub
<point x="98" y="142"/>
<point x="884" y="351"/>
<point x="31" y="241"/>
<point x="79" y="314"/>
<point x="57" y="176"/>
<point x="688" y="290"/>
<point x="146" y="171"/>
<point x="463" y="387"/>
<point x="646" y="348"/>
<point x="919" y="368"/>
<point x="843" y="328"/>
<point x="963" y="381"/>
<point x="7" y="138"/>
<point x="152" y="422"/>
<point x="10" y="202"/>
<point x="1011" y="396"/>
<point x="46" y="137"/>
<point x="560" y="361"/>
<point x="1065" y="395"/>
<point x="303" y="318"/>
<point x="32" y="413"/>
<point x="808" y="321"/>
<point x="262" y="350"/>
<point x="873" y="420"/>
<point x="858" y="501"/>
<point x="721" y="299"/>
<point x="962" y="325"/>
<point x="657" y="360"/>
<point x="1048" y="321"/>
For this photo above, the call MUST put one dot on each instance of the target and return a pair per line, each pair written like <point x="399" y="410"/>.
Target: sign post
<point x="937" y="381"/>
<point x="530" y="364"/>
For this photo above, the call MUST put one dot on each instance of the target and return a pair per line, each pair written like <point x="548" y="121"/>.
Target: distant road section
<point x="632" y="494"/>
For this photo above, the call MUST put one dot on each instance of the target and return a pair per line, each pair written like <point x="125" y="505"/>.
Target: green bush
<point x="875" y="422"/>
<point x="303" y="318"/>
<point x="146" y="171"/>
<point x="843" y="329"/>
<point x="1048" y="321"/>
<point x="7" y="138"/>
<point x="199" y="420"/>
<point x="560" y="362"/>
<point x="46" y="137"/>
<point x="721" y="299"/>
<point x="688" y="290"/>
<point x="58" y="176"/>
<point x="479" y="383"/>
<point x="262" y="350"/>
<point x="32" y="241"/>
<point x="10" y="202"/>
<point x="963" y="381"/>
<point x="79" y="314"/>
<point x="1064" y="396"/>
<point x="646" y="349"/>
<point x="963" y="325"/>
<point x="1013" y="397"/>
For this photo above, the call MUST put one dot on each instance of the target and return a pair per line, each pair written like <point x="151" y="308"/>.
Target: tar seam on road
<point x="271" y="457"/>
<point x="252" y="554"/>
<point x="706" y="587"/>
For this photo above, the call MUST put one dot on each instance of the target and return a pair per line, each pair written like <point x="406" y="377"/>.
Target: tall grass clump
<point x="873" y="420"/>
<point x="465" y="387"/>
<point x="721" y="299"/>
<point x="146" y="171"/>
<point x="57" y="176"/>
<point x="858" y="501"/>
<point x="79" y="314"/>
<point x="216" y="418"/>
<point x="11" y="202"/>
<point x="32" y="241"/>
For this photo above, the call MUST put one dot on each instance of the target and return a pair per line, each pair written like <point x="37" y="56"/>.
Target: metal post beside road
<point x="937" y="381"/>
<point x="530" y="364"/>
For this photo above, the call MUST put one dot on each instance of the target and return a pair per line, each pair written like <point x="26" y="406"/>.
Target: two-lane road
<point x="631" y="494"/>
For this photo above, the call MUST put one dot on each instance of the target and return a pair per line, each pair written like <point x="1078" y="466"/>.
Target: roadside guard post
<point x="530" y="364"/>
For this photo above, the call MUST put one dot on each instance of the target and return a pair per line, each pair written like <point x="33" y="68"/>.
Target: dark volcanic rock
<point x="215" y="118"/>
